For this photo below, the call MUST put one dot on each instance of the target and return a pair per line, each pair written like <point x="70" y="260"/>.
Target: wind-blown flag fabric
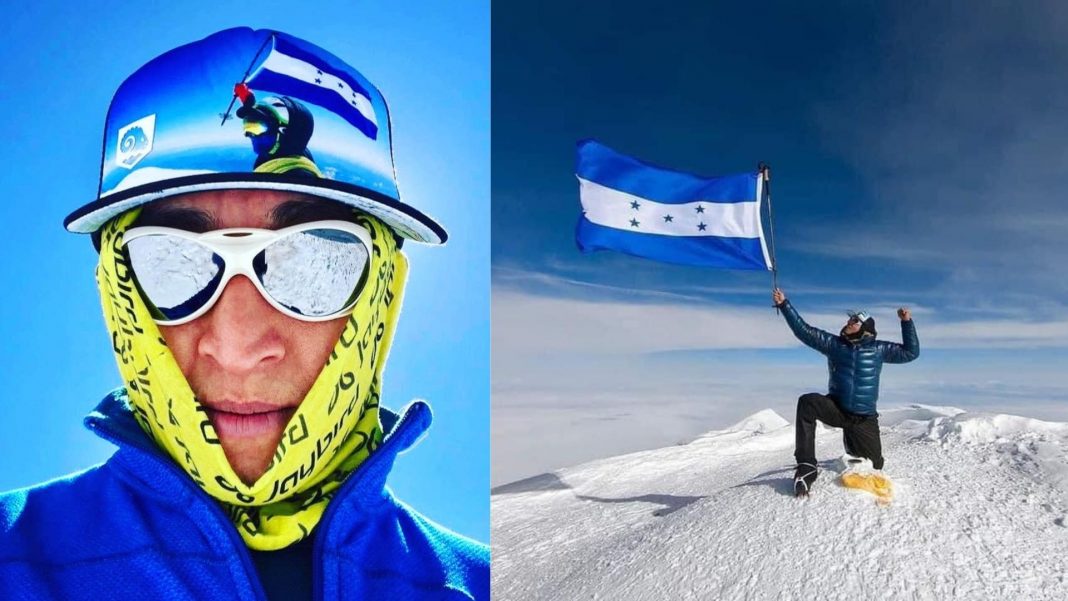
<point x="664" y="215"/>
<point x="290" y="70"/>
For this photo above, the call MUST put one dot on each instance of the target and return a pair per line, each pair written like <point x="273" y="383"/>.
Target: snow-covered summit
<point x="988" y="428"/>
<point x="979" y="513"/>
<point x="761" y="421"/>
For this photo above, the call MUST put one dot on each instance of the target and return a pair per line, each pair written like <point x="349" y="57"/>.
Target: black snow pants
<point x="861" y="432"/>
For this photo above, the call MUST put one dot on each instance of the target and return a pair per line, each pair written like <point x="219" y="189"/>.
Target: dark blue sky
<point x="919" y="155"/>
<point x="917" y="151"/>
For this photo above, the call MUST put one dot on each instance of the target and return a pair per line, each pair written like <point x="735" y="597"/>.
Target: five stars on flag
<point x="636" y="205"/>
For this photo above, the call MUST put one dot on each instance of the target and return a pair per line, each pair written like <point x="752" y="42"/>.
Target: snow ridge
<point x="979" y="512"/>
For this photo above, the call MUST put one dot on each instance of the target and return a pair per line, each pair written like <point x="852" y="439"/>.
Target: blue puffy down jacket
<point x="854" y="367"/>
<point x="138" y="528"/>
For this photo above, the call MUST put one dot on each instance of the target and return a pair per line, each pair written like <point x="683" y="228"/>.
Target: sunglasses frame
<point x="237" y="247"/>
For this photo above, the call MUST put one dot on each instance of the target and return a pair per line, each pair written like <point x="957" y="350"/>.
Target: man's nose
<point x="240" y="333"/>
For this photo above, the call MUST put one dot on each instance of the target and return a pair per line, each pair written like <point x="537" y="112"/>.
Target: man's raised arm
<point x="910" y="347"/>
<point x="813" y="337"/>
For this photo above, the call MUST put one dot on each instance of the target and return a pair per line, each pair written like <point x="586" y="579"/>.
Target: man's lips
<point x="250" y="419"/>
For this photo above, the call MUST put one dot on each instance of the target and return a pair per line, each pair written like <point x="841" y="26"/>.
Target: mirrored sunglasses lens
<point x="176" y="276"/>
<point x="315" y="272"/>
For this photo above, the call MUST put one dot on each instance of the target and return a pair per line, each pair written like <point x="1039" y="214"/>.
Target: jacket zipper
<point x="332" y="508"/>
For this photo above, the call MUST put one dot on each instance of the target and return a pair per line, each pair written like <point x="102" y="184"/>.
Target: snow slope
<point x="979" y="513"/>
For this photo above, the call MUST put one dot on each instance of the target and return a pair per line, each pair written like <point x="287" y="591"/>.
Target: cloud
<point x="555" y="276"/>
<point x="538" y="313"/>
<point x="526" y="323"/>
<point x="999" y="334"/>
<point x="950" y="125"/>
<point x="582" y="371"/>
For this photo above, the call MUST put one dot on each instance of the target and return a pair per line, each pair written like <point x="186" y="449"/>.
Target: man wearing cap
<point x="251" y="303"/>
<point x="855" y="359"/>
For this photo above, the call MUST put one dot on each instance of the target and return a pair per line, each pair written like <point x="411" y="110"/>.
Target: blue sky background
<point x="919" y="156"/>
<point x="60" y="69"/>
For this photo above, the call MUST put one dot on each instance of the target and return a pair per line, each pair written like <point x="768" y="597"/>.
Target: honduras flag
<point x="290" y="70"/>
<point x="645" y="211"/>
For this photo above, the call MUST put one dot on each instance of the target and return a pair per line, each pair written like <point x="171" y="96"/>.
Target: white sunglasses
<point x="312" y="271"/>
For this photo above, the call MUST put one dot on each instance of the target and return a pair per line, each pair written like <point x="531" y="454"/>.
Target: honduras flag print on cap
<point x="253" y="110"/>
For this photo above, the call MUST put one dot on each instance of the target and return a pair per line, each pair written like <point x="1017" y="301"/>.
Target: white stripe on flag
<point x="284" y="64"/>
<point x="615" y="209"/>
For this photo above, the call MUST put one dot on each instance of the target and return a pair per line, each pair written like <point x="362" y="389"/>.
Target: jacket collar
<point x="113" y="420"/>
<point x="864" y="339"/>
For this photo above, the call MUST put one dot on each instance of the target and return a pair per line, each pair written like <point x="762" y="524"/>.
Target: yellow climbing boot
<point x="877" y="484"/>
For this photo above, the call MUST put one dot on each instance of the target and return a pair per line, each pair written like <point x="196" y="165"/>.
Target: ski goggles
<point x="313" y="271"/>
<point x="857" y="316"/>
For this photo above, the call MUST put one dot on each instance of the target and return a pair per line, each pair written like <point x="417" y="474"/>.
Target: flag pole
<point x="765" y="174"/>
<point x="233" y="99"/>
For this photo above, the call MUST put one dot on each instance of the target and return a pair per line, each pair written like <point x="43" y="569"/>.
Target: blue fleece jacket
<point x="137" y="527"/>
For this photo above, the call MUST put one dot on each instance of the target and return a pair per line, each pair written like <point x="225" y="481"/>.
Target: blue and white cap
<point x="253" y="110"/>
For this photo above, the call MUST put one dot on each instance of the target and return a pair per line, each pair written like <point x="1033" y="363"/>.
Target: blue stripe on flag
<point x="285" y="47"/>
<point x="283" y="84"/>
<point x="600" y="164"/>
<point x="703" y="251"/>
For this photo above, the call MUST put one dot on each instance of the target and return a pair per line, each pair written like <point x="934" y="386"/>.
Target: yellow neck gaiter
<point x="288" y="164"/>
<point x="334" y="429"/>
